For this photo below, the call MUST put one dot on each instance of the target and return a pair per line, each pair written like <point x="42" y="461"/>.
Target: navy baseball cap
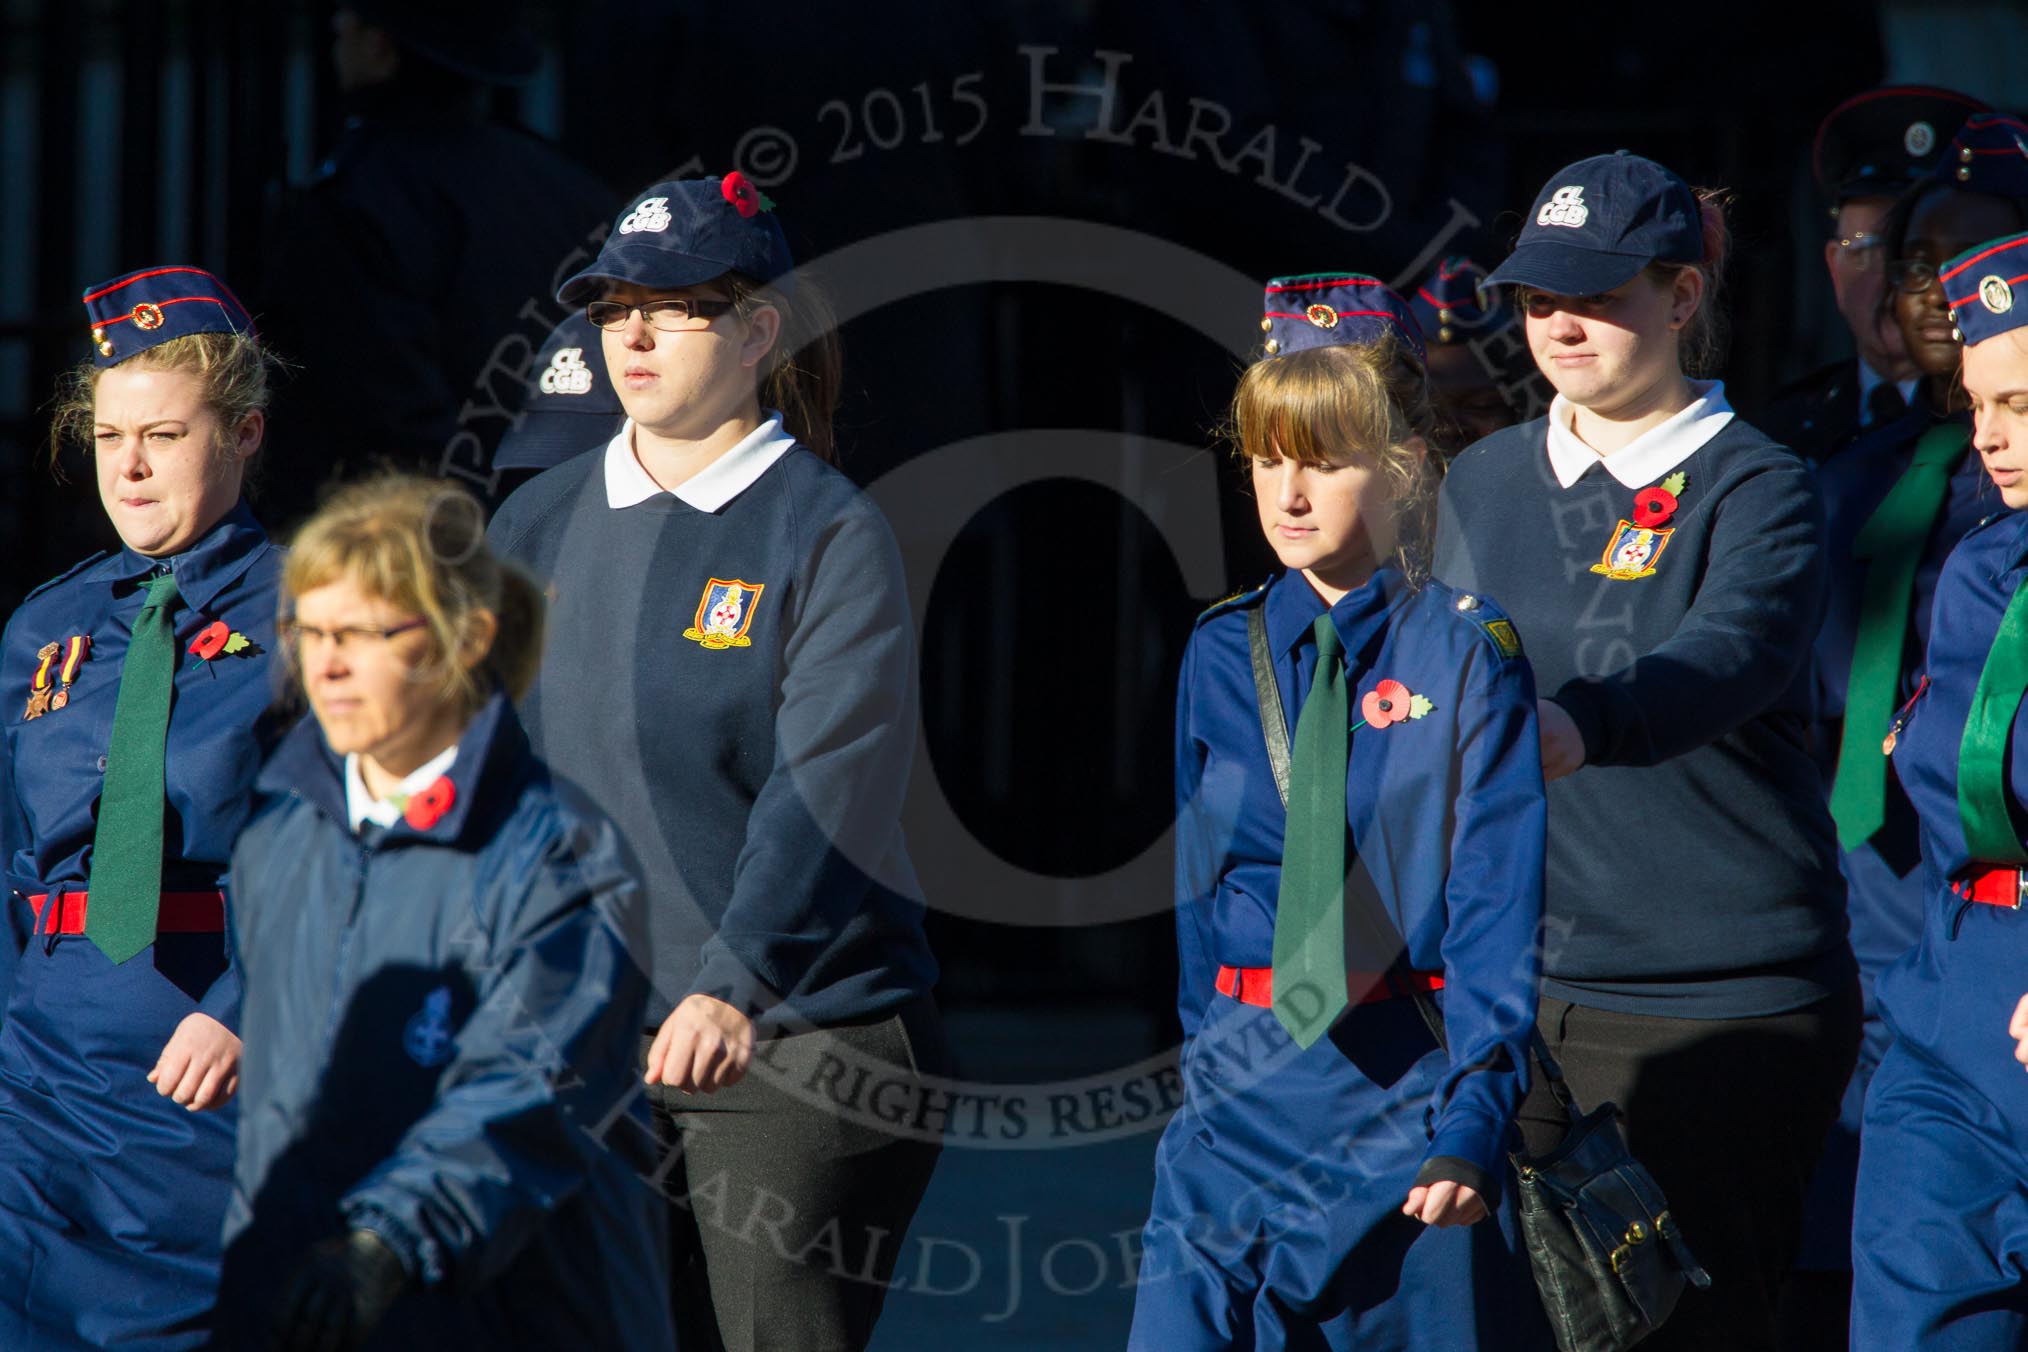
<point x="1979" y="288"/>
<point x="1877" y="143"/>
<point x="1598" y="222"/>
<point x="685" y="232"/>
<point x="140" y="310"/>
<point x="571" y="405"/>
<point x="1327" y="309"/>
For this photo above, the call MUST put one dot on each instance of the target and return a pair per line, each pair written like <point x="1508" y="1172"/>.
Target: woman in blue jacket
<point x="1329" y="880"/>
<point x="134" y="686"/>
<point x="439" y="945"/>
<point x="1940" y="1219"/>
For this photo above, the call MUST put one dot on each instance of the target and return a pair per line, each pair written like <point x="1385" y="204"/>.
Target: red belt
<point x="181" y="913"/>
<point x="1995" y="887"/>
<point x="1256" y="985"/>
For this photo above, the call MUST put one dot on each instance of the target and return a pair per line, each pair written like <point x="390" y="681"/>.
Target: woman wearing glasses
<point x="438" y="944"/>
<point x="1895" y="503"/>
<point x="731" y="676"/>
<point x="134" y="685"/>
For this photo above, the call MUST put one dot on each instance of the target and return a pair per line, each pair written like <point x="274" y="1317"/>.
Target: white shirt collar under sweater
<point x="1648" y="456"/>
<point x="362" y="806"/>
<point x="708" y="490"/>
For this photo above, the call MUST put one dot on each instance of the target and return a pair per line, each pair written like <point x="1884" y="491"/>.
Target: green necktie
<point x="126" y="873"/>
<point x="1892" y="540"/>
<point x="1990" y="836"/>
<point x="1309" y="961"/>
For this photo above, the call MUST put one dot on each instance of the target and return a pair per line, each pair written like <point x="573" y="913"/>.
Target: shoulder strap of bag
<point x="1274" y="726"/>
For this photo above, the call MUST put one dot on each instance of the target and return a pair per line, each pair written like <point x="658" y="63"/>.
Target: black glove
<point x="338" y="1294"/>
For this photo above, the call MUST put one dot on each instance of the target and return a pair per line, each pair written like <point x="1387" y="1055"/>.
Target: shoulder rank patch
<point x="724" y="614"/>
<point x="1498" y="629"/>
<point x="1235" y="601"/>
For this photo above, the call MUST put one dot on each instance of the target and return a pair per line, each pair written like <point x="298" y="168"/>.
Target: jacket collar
<point x="1293" y="607"/>
<point x="202" y="571"/>
<point x="492" y="762"/>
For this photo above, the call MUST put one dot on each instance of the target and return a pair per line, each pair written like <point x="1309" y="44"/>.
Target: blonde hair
<point x="420" y="544"/>
<point x="1328" y="405"/>
<point x="806" y="367"/>
<point x="234" y="369"/>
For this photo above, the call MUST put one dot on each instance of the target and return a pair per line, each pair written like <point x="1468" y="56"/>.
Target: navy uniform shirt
<point x="441" y="1032"/>
<point x="1951" y="997"/>
<point x="1446" y="815"/>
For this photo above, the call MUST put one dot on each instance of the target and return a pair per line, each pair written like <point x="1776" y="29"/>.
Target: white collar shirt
<point x="1648" y="456"/>
<point x="708" y="490"/>
<point x="360" y="804"/>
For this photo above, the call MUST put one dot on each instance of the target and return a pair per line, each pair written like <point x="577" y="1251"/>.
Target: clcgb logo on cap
<point x="566" y="374"/>
<point x="1995" y="294"/>
<point x="1564" y="207"/>
<point x="651" y="213"/>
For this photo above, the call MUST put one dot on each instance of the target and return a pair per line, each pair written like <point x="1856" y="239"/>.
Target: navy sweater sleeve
<point x="1742" y="642"/>
<point x="1196" y="865"/>
<point x="821" y="826"/>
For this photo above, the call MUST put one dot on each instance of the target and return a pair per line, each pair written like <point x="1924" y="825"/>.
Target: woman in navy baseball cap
<point x="1663" y="562"/>
<point x="731" y="676"/>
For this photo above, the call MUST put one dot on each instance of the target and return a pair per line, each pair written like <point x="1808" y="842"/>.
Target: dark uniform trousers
<point x="1729" y="1116"/>
<point x="791" y="1192"/>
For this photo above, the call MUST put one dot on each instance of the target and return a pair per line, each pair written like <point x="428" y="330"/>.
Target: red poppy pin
<point x="1654" y="506"/>
<point x="220" y="639"/>
<point x="1388" y="703"/>
<point x="744" y="196"/>
<point x="428" y="806"/>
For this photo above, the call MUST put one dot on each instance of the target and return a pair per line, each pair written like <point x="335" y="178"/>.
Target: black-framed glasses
<point x="670" y="316"/>
<point x="1911" y="275"/>
<point x="351" y="636"/>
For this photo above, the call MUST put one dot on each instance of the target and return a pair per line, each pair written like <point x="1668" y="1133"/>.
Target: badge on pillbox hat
<point x="1598" y="222"/>
<point x="1984" y="288"/>
<point x="1451" y="306"/>
<point x="1989" y="155"/>
<point x="571" y="405"/>
<point x="1879" y="142"/>
<point x="685" y="232"/>
<point x="1327" y="309"/>
<point x="144" y="309"/>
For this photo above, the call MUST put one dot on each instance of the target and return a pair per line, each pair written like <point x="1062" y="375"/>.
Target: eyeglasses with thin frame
<point x="670" y="316"/>
<point x="354" y="637"/>
<point x="1911" y="275"/>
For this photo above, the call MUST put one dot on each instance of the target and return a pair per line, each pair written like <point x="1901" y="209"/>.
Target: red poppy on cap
<point x="428" y="806"/>
<point x="1653" y="507"/>
<point x="1384" y="704"/>
<point x="740" y="191"/>
<point x="210" y="640"/>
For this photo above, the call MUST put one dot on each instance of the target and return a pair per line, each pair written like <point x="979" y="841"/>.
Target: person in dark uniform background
<point x="1481" y="377"/>
<point x="1941" y="1215"/>
<point x="135" y="687"/>
<point x="1868" y="150"/>
<point x="569" y="407"/>
<point x="393" y="278"/>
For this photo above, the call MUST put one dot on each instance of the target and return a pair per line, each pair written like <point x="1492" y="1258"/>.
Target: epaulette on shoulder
<point x="1492" y="622"/>
<point x="69" y="573"/>
<point x="1239" y="600"/>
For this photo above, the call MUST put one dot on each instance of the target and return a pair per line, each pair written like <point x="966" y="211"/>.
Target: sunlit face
<point x="684" y="384"/>
<point x="1331" y="521"/>
<point x="168" y="469"/>
<point x="1996" y="379"/>
<point x="1859" y="280"/>
<point x="1606" y="351"/>
<point x="378" y="697"/>
<point x="1943" y="225"/>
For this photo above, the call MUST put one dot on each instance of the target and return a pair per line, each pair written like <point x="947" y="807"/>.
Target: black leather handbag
<point x="1608" y="1259"/>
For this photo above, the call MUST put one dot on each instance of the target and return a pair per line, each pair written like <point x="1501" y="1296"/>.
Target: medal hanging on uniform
<point x="39" y="685"/>
<point x="75" y="649"/>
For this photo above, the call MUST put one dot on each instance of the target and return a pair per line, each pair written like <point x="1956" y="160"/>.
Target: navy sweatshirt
<point x="756" y="766"/>
<point x="1692" y="867"/>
